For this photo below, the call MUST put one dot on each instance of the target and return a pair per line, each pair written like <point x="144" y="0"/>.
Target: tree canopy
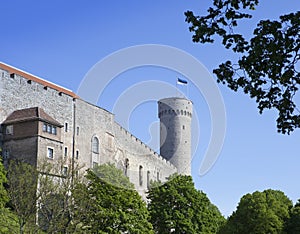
<point x="268" y="65"/>
<point x="259" y="213"/>
<point x="22" y="193"/>
<point x="106" y="207"/>
<point x="293" y="224"/>
<point x="177" y="207"/>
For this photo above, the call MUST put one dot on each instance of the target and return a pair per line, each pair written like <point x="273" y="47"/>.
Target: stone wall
<point x="84" y="122"/>
<point x="18" y="92"/>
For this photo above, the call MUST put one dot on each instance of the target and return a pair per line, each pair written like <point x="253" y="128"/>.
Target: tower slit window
<point x="126" y="166"/>
<point x="141" y="176"/>
<point x="148" y="179"/>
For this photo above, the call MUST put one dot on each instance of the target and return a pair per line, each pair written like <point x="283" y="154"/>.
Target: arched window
<point x="95" y="145"/>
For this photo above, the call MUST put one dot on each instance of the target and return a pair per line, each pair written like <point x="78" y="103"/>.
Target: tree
<point x="259" y="213"/>
<point x="293" y="224"/>
<point x="22" y="193"/>
<point x="56" y="206"/>
<point x="103" y="205"/>
<point x="7" y="218"/>
<point x="3" y="192"/>
<point x="177" y="207"/>
<point x="268" y="65"/>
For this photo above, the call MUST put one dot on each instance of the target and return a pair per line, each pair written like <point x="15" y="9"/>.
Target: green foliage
<point x="56" y="206"/>
<point x="267" y="69"/>
<point x="109" y="174"/>
<point x="22" y="187"/>
<point x="8" y="221"/>
<point x="104" y="206"/>
<point x="293" y="224"/>
<point x="3" y="192"/>
<point x="259" y="213"/>
<point x="177" y="207"/>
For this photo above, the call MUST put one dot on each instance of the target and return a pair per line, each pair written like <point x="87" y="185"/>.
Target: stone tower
<point x="175" y="116"/>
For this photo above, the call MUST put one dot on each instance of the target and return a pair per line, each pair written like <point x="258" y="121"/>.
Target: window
<point x="49" y="128"/>
<point x="5" y="154"/>
<point x="50" y="153"/>
<point x="44" y="127"/>
<point x="65" y="171"/>
<point x="66" y="127"/>
<point x="66" y="152"/>
<point x="77" y="131"/>
<point x="126" y="166"/>
<point x="9" y="130"/>
<point x="141" y="175"/>
<point x="157" y="176"/>
<point x="77" y="154"/>
<point x="148" y="179"/>
<point x="53" y="130"/>
<point x="183" y="127"/>
<point x="95" y="164"/>
<point x="95" y="145"/>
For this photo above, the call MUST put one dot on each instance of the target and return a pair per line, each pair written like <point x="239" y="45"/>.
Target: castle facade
<point x="43" y="121"/>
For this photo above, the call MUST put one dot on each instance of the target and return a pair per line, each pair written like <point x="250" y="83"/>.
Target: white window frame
<point x="64" y="171"/>
<point x="9" y="130"/>
<point x="50" y="148"/>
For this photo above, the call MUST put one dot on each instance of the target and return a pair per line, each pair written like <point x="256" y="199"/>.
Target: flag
<point x="181" y="81"/>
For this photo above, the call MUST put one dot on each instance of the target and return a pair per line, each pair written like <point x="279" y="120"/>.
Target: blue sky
<point x="61" y="40"/>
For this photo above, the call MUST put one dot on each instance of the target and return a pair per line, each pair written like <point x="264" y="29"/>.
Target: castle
<point x="43" y="121"/>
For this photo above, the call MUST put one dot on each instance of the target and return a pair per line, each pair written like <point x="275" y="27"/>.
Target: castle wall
<point x="138" y="154"/>
<point x="115" y="144"/>
<point x="92" y="122"/>
<point x="118" y="146"/>
<point x="18" y="92"/>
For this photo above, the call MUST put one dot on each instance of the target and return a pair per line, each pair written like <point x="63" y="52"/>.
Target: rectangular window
<point x="77" y="131"/>
<point x="54" y="130"/>
<point x="77" y="154"/>
<point x="49" y="129"/>
<point x="44" y="127"/>
<point x="66" y="152"/>
<point x="141" y="176"/>
<point x="65" y="171"/>
<point x="5" y="154"/>
<point x="66" y="127"/>
<point x="50" y="153"/>
<point x="9" y="130"/>
<point x="148" y="179"/>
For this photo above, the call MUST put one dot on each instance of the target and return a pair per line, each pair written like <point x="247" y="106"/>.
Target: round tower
<point x="175" y="116"/>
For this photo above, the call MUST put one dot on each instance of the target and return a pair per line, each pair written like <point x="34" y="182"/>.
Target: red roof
<point x="13" y="70"/>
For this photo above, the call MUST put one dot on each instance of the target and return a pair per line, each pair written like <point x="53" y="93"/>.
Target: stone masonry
<point x="88" y="134"/>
